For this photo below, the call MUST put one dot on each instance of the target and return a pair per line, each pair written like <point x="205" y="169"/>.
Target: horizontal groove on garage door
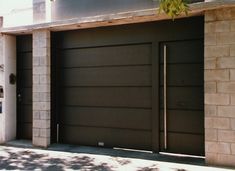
<point x="108" y="117"/>
<point x="122" y="137"/>
<point x="139" y="97"/>
<point x="106" y="56"/>
<point x="106" y="95"/>
<point x="108" y="76"/>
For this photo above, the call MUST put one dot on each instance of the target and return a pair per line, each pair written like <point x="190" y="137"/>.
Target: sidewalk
<point x="90" y="158"/>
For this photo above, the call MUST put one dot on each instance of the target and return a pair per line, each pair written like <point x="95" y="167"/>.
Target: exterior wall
<point x="88" y="8"/>
<point x="2" y="117"/>
<point x="62" y="10"/>
<point x="9" y="107"/>
<point x="41" y="88"/>
<point x="219" y="82"/>
<point x="17" y="13"/>
<point x="8" y="115"/>
<point x="220" y="86"/>
<point x="41" y="11"/>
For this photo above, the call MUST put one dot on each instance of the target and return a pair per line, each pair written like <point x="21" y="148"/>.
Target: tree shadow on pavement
<point x="151" y="168"/>
<point x="29" y="160"/>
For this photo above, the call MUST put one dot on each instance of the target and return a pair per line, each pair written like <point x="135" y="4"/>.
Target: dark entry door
<point x="24" y="87"/>
<point x="184" y="112"/>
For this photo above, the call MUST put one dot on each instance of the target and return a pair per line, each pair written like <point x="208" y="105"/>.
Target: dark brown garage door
<point x="24" y="87"/>
<point x="107" y="96"/>
<point x="108" y="83"/>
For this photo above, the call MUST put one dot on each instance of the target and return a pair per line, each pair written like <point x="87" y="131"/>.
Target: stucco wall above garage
<point x="85" y="8"/>
<point x="114" y="18"/>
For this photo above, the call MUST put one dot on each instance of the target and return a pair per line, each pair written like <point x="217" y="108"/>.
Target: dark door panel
<point x="24" y="87"/>
<point x="185" y="121"/>
<point x="107" y="76"/>
<point x="24" y="130"/>
<point x="106" y="95"/>
<point x="184" y="97"/>
<point x="119" y="55"/>
<point x="130" y="97"/>
<point x="187" y="52"/>
<point x="26" y="109"/>
<point x="127" y="138"/>
<point x="26" y="76"/>
<point x="25" y="97"/>
<point x="183" y="143"/>
<point x="25" y="61"/>
<point x="139" y="119"/>
<point x="192" y="79"/>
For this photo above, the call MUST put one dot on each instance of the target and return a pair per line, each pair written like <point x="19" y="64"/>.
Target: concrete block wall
<point x="41" y="88"/>
<point x="220" y="86"/>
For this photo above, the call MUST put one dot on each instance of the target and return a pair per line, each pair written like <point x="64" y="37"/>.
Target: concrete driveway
<point x="66" y="157"/>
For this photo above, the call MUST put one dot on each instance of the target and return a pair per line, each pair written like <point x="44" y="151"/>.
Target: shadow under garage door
<point x="107" y="83"/>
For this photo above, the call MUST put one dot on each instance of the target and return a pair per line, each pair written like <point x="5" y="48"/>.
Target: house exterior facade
<point x="119" y="74"/>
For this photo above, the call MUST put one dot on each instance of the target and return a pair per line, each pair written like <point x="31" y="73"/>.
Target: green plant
<point x="173" y="8"/>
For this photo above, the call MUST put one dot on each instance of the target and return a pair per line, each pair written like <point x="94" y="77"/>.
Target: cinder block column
<point x="41" y="88"/>
<point x="220" y="86"/>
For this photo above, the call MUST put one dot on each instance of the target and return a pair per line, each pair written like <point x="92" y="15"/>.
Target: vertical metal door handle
<point x="165" y="98"/>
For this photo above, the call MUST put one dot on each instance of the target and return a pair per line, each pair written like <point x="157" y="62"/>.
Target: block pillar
<point x="220" y="86"/>
<point x="41" y="88"/>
